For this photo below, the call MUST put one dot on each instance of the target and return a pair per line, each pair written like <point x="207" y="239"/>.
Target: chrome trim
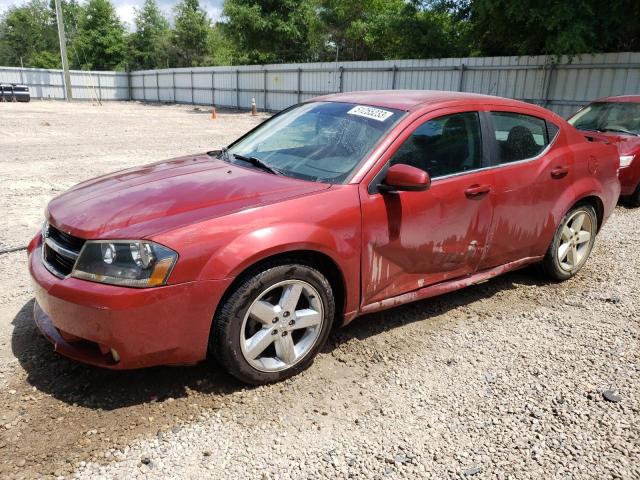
<point x="50" y="268"/>
<point x="500" y="165"/>
<point x="56" y="247"/>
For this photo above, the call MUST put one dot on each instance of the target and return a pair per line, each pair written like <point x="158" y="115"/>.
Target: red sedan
<point x="339" y="206"/>
<point x="617" y="120"/>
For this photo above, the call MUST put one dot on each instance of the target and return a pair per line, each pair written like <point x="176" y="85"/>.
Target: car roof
<point x="410" y="100"/>
<point x="620" y="98"/>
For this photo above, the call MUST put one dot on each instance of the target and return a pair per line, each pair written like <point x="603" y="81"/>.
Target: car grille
<point x="60" y="250"/>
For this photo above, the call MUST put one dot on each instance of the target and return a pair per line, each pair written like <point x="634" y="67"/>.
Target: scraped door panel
<point x="415" y="239"/>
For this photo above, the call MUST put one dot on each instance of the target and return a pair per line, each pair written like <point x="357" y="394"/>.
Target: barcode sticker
<point x="370" y="112"/>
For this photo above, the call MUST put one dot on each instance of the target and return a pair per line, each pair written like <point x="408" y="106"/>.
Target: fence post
<point x="340" y="79"/>
<point x="461" y="78"/>
<point x="237" y="89"/>
<point x="264" y="88"/>
<point x="393" y="78"/>
<point x="213" y="88"/>
<point x="193" y="101"/>
<point x="173" y="85"/>
<point x="144" y="87"/>
<point x="547" y="83"/>
<point x="129" y="86"/>
<point x="158" y="86"/>
<point x="99" y="89"/>
<point x="64" y="93"/>
<point x="299" y="84"/>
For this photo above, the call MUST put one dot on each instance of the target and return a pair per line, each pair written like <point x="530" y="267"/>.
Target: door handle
<point x="559" y="172"/>
<point x="475" y="191"/>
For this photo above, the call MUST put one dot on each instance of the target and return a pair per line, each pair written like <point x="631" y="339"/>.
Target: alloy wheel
<point x="575" y="240"/>
<point x="281" y="326"/>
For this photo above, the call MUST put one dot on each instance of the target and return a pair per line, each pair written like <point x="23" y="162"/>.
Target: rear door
<point x="530" y="177"/>
<point x="415" y="239"/>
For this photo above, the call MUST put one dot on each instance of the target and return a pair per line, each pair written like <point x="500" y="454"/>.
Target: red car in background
<point x="336" y="207"/>
<point x="617" y="120"/>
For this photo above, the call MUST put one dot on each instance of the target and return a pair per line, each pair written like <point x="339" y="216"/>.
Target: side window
<point x="518" y="136"/>
<point x="444" y="145"/>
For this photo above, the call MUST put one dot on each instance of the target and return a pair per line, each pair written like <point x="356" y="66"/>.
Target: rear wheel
<point x="274" y="323"/>
<point x="572" y="243"/>
<point x="634" y="198"/>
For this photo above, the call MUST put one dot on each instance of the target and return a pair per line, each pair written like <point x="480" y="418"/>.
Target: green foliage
<point x="275" y="31"/>
<point x="150" y="44"/>
<point x="191" y="34"/>
<point x="25" y="31"/>
<point x="44" y="59"/>
<point x="270" y="31"/>
<point x="529" y="27"/>
<point x="99" y="43"/>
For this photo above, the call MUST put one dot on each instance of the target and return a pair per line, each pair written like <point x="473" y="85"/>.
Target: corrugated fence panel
<point x="49" y="84"/>
<point x="561" y="84"/>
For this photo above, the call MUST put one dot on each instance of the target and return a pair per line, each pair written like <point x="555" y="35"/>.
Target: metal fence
<point x="87" y="85"/>
<point x="559" y="84"/>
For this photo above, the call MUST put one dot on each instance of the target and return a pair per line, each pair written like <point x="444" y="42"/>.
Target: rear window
<point x="519" y="136"/>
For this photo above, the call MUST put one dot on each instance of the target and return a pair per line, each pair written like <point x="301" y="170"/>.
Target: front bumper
<point x="157" y="326"/>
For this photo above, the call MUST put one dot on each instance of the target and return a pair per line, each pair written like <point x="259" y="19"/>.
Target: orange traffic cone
<point x="214" y="115"/>
<point x="254" y="109"/>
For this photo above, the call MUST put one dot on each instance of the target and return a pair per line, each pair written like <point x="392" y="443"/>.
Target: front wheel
<point x="274" y="323"/>
<point x="572" y="243"/>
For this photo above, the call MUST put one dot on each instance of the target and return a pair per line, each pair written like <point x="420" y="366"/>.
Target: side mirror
<point x="405" y="178"/>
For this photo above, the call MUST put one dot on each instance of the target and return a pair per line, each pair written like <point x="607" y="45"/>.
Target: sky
<point x="125" y="8"/>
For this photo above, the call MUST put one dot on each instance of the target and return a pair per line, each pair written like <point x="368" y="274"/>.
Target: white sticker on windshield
<point x="370" y="112"/>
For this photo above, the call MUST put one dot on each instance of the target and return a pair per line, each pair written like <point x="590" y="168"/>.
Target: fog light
<point x="115" y="355"/>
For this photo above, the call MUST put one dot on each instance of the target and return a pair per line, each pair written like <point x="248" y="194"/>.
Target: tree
<point x="270" y="31"/>
<point x="25" y="33"/>
<point x="191" y="34"/>
<point x="150" y="44"/>
<point x="529" y="27"/>
<point x="99" y="43"/>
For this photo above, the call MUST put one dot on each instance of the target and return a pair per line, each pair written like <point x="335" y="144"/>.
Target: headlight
<point x="625" y="160"/>
<point x="127" y="263"/>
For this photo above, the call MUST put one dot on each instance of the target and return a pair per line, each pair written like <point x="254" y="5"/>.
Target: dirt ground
<point x="503" y="379"/>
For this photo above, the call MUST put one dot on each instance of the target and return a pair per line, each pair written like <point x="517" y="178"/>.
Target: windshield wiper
<point x="256" y="162"/>
<point x="621" y="130"/>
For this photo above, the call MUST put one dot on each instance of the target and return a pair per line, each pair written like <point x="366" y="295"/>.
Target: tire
<point x="570" y="248"/>
<point x="258" y="314"/>
<point x="634" y="199"/>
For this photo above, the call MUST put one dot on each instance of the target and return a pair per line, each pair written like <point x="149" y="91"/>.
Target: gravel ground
<point x="508" y="379"/>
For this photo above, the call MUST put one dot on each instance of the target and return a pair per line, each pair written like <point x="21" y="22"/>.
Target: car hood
<point x="143" y="201"/>
<point x="627" y="144"/>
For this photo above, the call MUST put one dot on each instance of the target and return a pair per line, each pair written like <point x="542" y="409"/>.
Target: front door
<point x="415" y="239"/>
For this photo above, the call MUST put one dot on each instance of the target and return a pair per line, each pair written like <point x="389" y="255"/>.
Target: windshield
<point x="318" y="141"/>
<point x="619" y="117"/>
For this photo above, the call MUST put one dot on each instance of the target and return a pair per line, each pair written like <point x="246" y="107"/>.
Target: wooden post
<point x="340" y="79"/>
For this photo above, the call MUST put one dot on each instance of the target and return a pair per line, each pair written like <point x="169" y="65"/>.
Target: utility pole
<point x="63" y="52"/>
